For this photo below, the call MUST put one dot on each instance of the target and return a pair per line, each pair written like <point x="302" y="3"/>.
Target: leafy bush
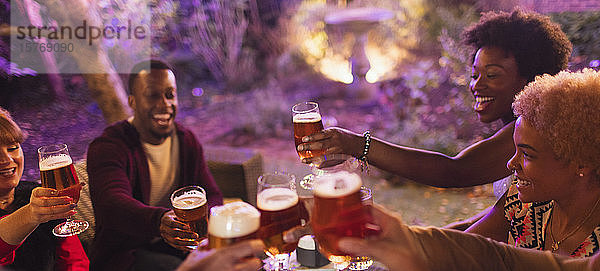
<point x="582" y="30"/>
<point x="227" y="36"/>
<point x="263" y="112"/>
<point x="431" y="100"/>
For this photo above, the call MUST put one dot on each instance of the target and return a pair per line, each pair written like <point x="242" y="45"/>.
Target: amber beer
<point x="59" y="173"/>
<point x="362" y="262"/>
<point x="307" y="121"/>
<point x="279" y="212"/>
<point x="189" y="205"/>
<point x="231" y="223"/>
<point x="339" y="212"/>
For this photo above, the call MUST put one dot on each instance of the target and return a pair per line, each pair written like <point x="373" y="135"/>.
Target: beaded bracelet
<point x="364" y="164"/>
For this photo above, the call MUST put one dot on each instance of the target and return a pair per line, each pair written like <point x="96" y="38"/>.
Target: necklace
<point x="556" y="243"/>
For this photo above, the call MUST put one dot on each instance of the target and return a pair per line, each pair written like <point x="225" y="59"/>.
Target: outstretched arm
<point x="480" y="163"/>
<point x="112" y="195"/>
<point x="401" y="247"/>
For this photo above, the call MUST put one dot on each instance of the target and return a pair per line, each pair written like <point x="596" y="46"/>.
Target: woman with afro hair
<point x="510" y="49"/>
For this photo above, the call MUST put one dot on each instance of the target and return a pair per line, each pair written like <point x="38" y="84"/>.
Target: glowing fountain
<point x="358" y="22"/>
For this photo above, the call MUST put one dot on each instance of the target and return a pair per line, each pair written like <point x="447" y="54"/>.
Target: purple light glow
<point x="197" y="92"/>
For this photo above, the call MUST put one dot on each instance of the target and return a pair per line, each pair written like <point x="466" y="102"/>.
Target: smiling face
<point x="540" y="175"/>
<point x="494" y="83"/>
<point x="154" y="102"/>
<point x="11" y="166"/>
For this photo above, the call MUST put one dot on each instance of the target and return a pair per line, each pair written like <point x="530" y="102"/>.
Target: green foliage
<point x="583" y="30"/>
<point x="451" y="18"/>
<point x="454" y="54"/>
<point x="225" y="37"/>
<point x="215" y="33"/>
<point x="262" y="112"/>
<point x="432" y="102"/>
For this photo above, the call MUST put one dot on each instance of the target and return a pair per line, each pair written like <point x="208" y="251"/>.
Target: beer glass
<point x="338" y="212"/>
<point x="334" y="163"/>
<point x="307" y="121"/>
<point x="362" y="262"/>
<point x="279" y="211"/>
<point x="57" y="171"/>
<point x="342" y="162"/>
<point x="231" y="223"/>
<point x="189" y="205"/>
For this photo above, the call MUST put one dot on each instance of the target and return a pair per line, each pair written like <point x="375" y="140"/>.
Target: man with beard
<point x="133" y="168"/>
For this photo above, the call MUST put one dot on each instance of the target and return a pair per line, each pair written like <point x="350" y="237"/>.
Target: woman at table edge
<point x="27" y="211"/>
<point x="414" y="248"/>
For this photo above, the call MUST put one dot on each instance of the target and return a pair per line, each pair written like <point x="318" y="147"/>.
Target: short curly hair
<point x="565" y="109"/>
<point x="152" y="64"/>
<point x="10" y="132"/>
<point x="538" y="45"/>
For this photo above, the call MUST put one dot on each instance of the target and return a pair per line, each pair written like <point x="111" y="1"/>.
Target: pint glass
<point x="307" y="121"/>
<point x="189" y="205"/>
<point x="231" y="223"/>
<point x="362" y="262"/>
<point x="339" y="212"/>
<point x="57" y="171"/>
<point x="279" y="211"/>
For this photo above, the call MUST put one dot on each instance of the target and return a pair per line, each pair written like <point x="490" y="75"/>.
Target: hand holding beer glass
<point x="339" y="211"/>
<point x="190" y="206"/>
<point x="342" y="162"/>
<point x="307" y="121"/>
<point x="57" y="172"/>
<point x="280" y="211"/>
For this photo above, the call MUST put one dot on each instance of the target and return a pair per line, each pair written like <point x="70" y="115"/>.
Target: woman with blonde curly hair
<point x="554" y="203"/>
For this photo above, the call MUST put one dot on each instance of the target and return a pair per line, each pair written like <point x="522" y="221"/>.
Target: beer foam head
<point x="189" y="200"/>
<point x="234" y="219"/>
<point x="275" y="199"/>
<point x="307" y="117"/>
<point x="55" y="161"/>
<point x="337" y="184"/>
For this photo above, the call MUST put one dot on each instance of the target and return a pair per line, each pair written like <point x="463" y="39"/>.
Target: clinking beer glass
<point x="279" y="211"/>
<point x="362" y="262"/>
<point x="190" y="206"/>
<point x="307" y="121"/>
<point x="57" y="171"/>
<point x="339" y="211"/>
<point x="232" y="223"/>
